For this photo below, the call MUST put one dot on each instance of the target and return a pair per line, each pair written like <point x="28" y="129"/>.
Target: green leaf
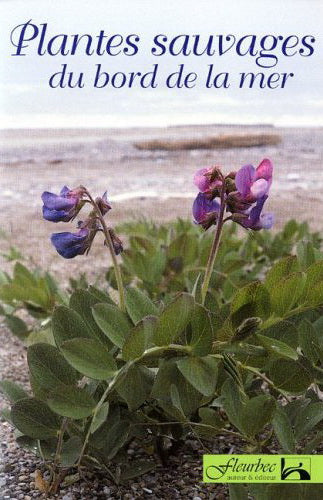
<point x="82" y="302"/>
<point x="202" y="331"/>
<point x="291" y="376"/>
<point x="313" y="443"/>
<point x="48" y="367"/>
<point x="200" y="372"/>
<point x="37" y="296"/>
<point x="250" y="300"/>
<point x="71" y="450"/>
<point x="115" y="438"/>
<point x="67" y="325"/>
<point x="211" y="417"/>
<point x="113" y="322"/>
<point x="233" y="402"/>
<point x="280" y="270"/>
<point x="101" y="296"/>
<point x="277" y="347"/>
<point x="285" y="331"/>
<point x="23" y="276"/>
<point x="139" y="338"/>
<point x="305" y="252"/>
<point x="148" y="268"/>
<point x="136" y="386"/>
<point x="238" y="492"/>
<point x="90" y="357"/>
<point x="136" y="469"/>
<point x="17" y="326"/>
<point x="309" y="341"/>
<point x="284" y="431"/>
<point x="286" y="293"/>
<point x="44" y="336"/>
<point x="256" y="413"/>
<point x="34" y="419"/>
<point x="5" y="413"/>
<point x="174" y="319"/>
<point x="139" y="305"/>
<point x="307" y="418"/>
<point x="184" y="248"/>
<point x="314" y="275"/>
<point x="100" y="417"/>
<point x="12" y="391"/>
<point x="167" y="375"/>
<point x="72" y="402"/>
<point x="315" y="295"/>
<point x="176" y="403"/>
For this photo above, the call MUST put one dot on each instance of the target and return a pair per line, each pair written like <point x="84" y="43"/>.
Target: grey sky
<point x="27" y="101"/>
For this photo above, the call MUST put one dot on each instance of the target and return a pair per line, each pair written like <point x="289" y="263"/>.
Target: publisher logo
<point x="262" y="468"/>
<point x="295" y="469"/>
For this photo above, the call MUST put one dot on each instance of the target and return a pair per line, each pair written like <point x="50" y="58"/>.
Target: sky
<point x="27" y="101"/>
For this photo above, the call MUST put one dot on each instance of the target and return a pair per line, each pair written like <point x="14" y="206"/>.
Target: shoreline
<point x="153" y="184"/>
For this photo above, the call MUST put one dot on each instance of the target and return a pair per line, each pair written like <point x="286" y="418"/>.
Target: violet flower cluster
<point x="64" y="208"/>
<point x="243" y="193"/>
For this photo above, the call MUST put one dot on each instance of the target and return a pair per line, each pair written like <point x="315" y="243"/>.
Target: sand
<point x="156" y="184"/>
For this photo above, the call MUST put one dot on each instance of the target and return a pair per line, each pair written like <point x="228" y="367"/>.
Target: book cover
<point x="160" y="233"/>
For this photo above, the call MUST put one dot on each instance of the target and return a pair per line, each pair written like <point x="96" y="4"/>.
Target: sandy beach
<point x="141" y="183"/>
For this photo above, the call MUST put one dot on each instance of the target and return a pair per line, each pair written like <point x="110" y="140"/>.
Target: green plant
<point x="193" y="345"/>
<point x="247" y="367"/>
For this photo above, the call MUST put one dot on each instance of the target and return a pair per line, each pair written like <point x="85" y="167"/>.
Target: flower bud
<point x="103" y="204"/>
<point x="246" y="328"/>
<point x="117" y="243"/>
<point x="230" y="185"/>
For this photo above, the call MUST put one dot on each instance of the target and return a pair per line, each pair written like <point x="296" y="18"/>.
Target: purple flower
<point x="253" y="183"/>
<point x="254" y="219"/>
<point x="206" y="179"/>
<point x="63" y="207"/>
<point x="69" y="245"/>
<point x="205" y="211"/>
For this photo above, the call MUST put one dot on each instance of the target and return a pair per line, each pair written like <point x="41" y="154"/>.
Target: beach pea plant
<point x="235" y="353"/>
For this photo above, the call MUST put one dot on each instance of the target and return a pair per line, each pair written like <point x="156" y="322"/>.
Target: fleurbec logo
<point x="216" y="472"/>
<point x="301" y="470"/>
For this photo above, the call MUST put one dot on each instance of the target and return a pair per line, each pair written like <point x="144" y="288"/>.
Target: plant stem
<point x="109" y="388"/>
<point x="60" y="441"/>
<point x="109" y="243"/>
<point x="215" y="246"/>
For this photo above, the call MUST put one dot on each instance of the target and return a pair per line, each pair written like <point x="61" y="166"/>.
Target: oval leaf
<point x="48" y="367"/>
<point x="291" y="376"/>
<point x="277" y="347"/>
<point x="67" y="325"/>
<point x="139" y="338"/>
<point x="256" y="413"/>
<point x="174" y="319"/>
<point x="72" y="402"/>
<point x="139" y="305"/>
<point x="113" y="322"/>
<point x="200" y="372"/>
<point x="12" y="391"/>
<point x="34" y="419"/>
<point x="90" y="357"/>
